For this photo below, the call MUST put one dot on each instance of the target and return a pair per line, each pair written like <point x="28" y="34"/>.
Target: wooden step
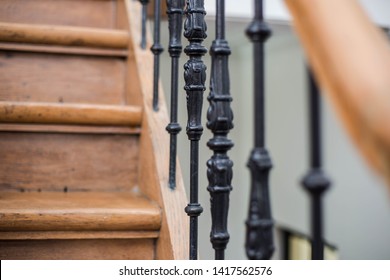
<point x="61" y="113"/>
<point x="80" y="225"/>
<point x="63" y="35"/>
<point x="77" y="211"/>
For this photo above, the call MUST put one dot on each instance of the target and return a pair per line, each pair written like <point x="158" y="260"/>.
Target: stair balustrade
<point x="143" y="23"/>
<point x="220" y="122"/>
<point x="259" y="236"/>
<point x="315" y="182"/>
<point x="175" y="14"/>
<point x="156" y="49"/>
<point x="195" y="78"/>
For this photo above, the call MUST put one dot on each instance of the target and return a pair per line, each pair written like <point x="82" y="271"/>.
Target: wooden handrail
<point x="63" y="35"/>
<point x="351" y="59"/>
<point x="85" y="114"/>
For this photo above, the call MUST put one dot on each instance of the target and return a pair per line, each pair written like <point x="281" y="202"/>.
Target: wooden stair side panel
<point x="86" y="13"/>
<point x="71" y="162"/>
<point x="35" y="77"/>
<point x="154" y="152"/>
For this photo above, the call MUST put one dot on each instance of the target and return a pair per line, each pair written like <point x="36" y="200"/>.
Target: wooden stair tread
<point x="66" y="113"/>
<point x="77" y="211"/>
<point x="63" y="35"/>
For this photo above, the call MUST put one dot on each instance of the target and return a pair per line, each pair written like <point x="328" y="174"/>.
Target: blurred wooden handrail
<point x="351" y="59"/>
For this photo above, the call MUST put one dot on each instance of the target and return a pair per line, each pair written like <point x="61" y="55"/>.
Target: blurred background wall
<point x="357" y="207"/>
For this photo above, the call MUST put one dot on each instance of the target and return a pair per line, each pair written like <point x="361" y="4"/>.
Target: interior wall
<point x="357" y="208"/>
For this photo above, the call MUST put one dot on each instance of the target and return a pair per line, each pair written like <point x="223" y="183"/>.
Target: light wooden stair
<point x="83" y="169"/>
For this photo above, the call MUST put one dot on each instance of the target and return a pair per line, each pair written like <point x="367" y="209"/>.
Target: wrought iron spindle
<point x="259" y="235"/>
<point x="220" y="122"/>
<point x="175" y="13"/>
<point x="315" y="182"/>
<point x="195" y="77"/>
<point x="156" y="49"/>
<point x="143" y="23"/>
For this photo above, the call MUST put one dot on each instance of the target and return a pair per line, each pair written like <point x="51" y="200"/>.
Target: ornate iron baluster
<point x="220" y="121"/>
<point x="175" y="13"/>
<point x="156" y="49"/>
<point x="259" y="236"/>
<point x="195" y="77"/>
<point x="315" y="182"/>
<point x="143" y="23"/>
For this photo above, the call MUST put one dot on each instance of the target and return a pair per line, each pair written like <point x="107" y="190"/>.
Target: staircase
<point x="83" y="156"/>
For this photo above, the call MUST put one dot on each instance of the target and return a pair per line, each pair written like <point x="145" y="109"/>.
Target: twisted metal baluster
<point x="220" y="122"/>
<point x="143" y="23"/>
<point x="315" y="182"/>
<point x="175" y="13"/>
<point x="259" y="235"/>
<point x="195" y="76"/>
<point x="156" y="49"/>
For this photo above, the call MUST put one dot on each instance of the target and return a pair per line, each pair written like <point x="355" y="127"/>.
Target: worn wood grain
<point x="138" y="249"/>
<point x="79" y="114"/>
<point x="59" y="211"/>
<point x="64" y="50"/>
<point x="88" y="13"/>
<point x="54" y="162"/>
<point x="63" y="35"/>
<point x="72" y="129"/>
<point x="61" y="78"/>
<point x="69" y="234"/>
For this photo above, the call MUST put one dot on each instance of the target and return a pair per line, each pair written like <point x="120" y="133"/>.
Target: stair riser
<point x="54" y="78"/>
<point x="86" y="13"/>
<point x="72" y="162"/>
<point x="127" y="249"/>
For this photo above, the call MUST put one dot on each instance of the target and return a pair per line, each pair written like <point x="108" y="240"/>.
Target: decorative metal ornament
<point x="143" y="23"/>
<point x="175" y="14"/>
<point x="259" y="236"/>
<point x="156" y="49"/>
<point x="220" y="122"/>
<point x="195" y="77"/>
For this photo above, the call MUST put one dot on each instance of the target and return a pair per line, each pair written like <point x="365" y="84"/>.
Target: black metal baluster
<point x="195" y="77"/>
<point x="143" y="23"/>
<point x="259" y="236"/>
<point x="156" y="49"/>
<point x="220" y="121"/>
<point x="315" y="182"/>
<point x="175" y="13"/>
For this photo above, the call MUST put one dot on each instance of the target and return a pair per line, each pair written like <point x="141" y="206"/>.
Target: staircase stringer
<point x="154" y="151"/>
